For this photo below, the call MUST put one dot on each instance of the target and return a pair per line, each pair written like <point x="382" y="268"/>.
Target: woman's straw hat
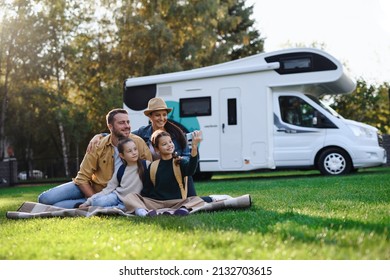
<point x="156" y="104"/>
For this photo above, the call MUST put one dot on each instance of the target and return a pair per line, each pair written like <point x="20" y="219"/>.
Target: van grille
<point x="380" y="139"/>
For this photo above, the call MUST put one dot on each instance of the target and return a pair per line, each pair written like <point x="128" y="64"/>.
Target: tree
<point x="236" y="33"/>
<point x="5" y="69"/>
<point x="37" y="35"/>
<point x="93" y="70"/>
<point x="59" y="23"/>
<point x="19" y="54"/>
<point x="36" y="103"/>
<point x="368" y="104"/>
<point x="165" y="36"/>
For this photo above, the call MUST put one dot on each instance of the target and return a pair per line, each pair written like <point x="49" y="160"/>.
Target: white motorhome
<point x="263" y="112"/>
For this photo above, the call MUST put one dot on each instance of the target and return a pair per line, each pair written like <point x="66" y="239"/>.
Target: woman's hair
<point x="176" y="133"/>
<point x="121" y="148"/>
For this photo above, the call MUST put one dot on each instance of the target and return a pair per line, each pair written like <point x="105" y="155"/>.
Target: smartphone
<point x="189" y="136"/>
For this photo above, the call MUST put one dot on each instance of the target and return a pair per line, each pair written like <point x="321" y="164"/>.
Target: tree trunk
<point x="4" y="104"/>
<point x="64" y="149"/>
<point x="2" y="123"/>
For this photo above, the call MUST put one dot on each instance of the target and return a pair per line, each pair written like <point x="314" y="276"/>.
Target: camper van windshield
<point x="325" y="106"/>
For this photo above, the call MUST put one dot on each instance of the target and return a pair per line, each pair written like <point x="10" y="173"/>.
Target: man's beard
<point x="119" y="134"/>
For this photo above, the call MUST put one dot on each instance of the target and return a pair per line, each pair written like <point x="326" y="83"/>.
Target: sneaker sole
<point x="152" y="213"/>
<point x="181" y="212"/>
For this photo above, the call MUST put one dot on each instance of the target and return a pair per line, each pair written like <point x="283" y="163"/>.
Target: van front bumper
<point x="370" y="158"/>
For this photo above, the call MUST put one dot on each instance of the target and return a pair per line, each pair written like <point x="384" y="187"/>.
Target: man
<point x="98" y="165"/>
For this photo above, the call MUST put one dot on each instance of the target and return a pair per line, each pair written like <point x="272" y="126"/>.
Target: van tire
<point x="334" y="161"/>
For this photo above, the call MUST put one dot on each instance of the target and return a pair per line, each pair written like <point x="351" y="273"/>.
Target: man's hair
<point x="110" y="115"/>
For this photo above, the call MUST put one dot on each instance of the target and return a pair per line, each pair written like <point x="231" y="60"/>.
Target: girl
<point x="163" y="190"/>
<point x="130" y="182"/>
<point x="166" y="186"/>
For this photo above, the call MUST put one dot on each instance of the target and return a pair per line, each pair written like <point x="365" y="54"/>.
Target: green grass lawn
<point x="295" y="215"/>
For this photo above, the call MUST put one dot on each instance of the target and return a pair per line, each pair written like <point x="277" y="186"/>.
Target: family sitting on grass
<point x="146" y="176"/>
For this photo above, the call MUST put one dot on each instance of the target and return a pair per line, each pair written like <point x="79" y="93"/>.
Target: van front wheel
<point x="334" y="161"/>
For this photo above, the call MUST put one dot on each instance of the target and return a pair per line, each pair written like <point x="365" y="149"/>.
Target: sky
<point x="355" y="32"/>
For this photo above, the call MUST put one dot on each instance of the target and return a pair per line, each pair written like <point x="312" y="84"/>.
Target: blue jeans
<point x="65" y="196"/>
<point x="107" y="200"/>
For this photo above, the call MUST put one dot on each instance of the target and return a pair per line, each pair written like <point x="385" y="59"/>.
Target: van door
<point x="299" y="130"/>
<point x="230" y="128"/>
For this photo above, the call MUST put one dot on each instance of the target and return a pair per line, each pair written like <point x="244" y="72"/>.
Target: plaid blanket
<point x="37" y="210"/>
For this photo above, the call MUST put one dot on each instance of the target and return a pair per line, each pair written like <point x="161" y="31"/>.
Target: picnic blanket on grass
<point x="37" y="210"/>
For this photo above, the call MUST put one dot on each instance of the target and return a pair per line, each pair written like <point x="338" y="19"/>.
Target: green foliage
<point x="166" y="36"/>
<point x="368" y="104"/>
<point x="63" y="63"/>
<point x="295" y="215"/>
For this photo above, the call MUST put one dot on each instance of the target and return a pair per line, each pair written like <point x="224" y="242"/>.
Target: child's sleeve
<point x="189" y="166"/>
<point x="111" y="185"/>
<point x="147" y="183"/>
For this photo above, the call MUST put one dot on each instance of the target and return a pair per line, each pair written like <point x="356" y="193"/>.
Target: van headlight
<point x="361" y="131"/>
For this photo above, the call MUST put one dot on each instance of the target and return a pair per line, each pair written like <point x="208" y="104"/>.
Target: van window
<point x="301" y="62"/>
<point x="195" y="107"/>
<point x="232" y="111"/>
<point x="297" y="111"/>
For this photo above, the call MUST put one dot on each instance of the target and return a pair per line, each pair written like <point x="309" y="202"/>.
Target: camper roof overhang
<point x="206" y="72"/>
<point x="317" y="85"/>
<point x="311" y="70"/>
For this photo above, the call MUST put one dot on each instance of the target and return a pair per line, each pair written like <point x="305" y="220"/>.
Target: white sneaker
<point x="220" y="197"/>
<point x="141" y="212"/>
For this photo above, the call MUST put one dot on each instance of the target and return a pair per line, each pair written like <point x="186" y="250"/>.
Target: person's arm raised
<point x="196" y="139"/>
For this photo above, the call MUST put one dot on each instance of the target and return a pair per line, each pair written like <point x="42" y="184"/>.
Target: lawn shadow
<point x="261" y="176"/>
<point x="288" y="225"/>
<point x="290" y="174"/>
